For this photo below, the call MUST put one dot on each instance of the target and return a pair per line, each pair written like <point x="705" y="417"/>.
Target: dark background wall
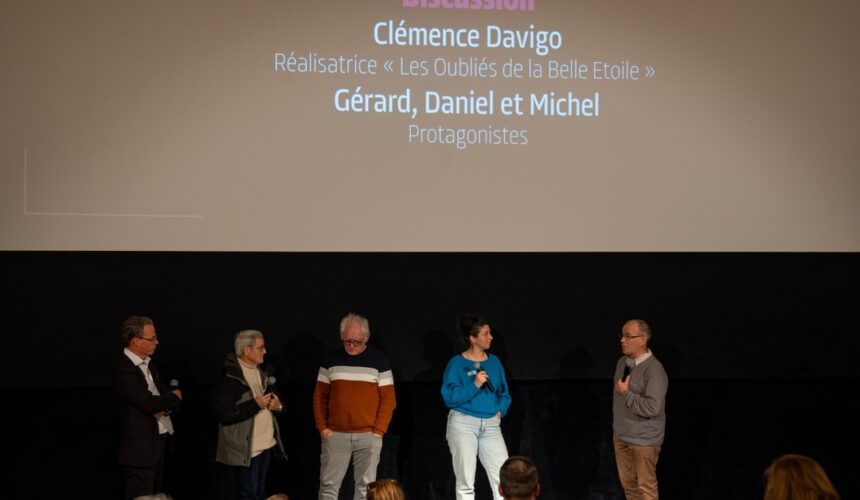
<point x="759" y="350"/>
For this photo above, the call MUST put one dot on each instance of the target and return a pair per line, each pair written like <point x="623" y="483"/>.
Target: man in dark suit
<point x="144" y="406"/>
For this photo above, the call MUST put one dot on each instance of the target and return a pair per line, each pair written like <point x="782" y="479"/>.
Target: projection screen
<point x="435" y="125"/>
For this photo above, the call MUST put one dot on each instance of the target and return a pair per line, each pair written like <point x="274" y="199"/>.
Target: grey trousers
<point x="337" y="450"/>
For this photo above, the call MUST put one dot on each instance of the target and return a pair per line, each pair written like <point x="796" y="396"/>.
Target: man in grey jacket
<point x="638" y="412"/>
<point x="246" y="400"/>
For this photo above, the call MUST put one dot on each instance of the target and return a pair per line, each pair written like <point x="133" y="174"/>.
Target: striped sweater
<point x="354" y="393"/>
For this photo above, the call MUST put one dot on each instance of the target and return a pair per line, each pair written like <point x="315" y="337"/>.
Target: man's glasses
<point x="353" y="343"/>
<point x="154" y="338"/>
<point x="628" y="337"/>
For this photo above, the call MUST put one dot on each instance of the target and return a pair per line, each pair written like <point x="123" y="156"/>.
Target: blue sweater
<point x="460" y="393"/>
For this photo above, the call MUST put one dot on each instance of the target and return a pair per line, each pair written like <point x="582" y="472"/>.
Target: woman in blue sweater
<point x="475" y="389"/>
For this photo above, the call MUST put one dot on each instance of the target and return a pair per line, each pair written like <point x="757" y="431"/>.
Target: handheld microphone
<point x="488" y="384"/>
<point x="628" y="365"/>
<point x="174" y="384"/>
<point x="270" y="382"/>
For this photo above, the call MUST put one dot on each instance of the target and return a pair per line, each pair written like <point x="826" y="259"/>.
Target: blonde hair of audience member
<point x="796" y="477"/>
<point x="385" y="489"/>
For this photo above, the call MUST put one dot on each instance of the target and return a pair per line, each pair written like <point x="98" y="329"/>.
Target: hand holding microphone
<point x="623" y="384"/>
<point x="174" y="388"/>
<point x="628" y="365"/>
<point x="274" y="402"/>
<point x="270" y="383"/>
<point x="263" y="400"/>
<point x="482" y="375"/>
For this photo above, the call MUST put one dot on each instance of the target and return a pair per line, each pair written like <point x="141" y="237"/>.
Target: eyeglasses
<point x="154" y="338"/>
<point x="628" y="337"/>
<point x="353" y="343"/>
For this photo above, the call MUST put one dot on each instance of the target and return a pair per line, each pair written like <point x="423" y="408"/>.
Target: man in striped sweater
<point x="353" y="405"/>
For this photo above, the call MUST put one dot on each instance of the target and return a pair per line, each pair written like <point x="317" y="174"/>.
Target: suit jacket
<point x="138" y="429"/>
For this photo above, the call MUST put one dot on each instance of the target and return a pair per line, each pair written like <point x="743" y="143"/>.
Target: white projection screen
<point x="491" y="125"/>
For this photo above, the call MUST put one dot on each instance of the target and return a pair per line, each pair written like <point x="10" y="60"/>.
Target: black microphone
<point x="628" y="365"/>
<point x="270" y="382"/>
<point x="174" y="384"/>
<point x="487" y="382"/>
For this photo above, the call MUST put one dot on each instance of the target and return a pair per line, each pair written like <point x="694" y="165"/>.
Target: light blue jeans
<point x="470" y="438"/>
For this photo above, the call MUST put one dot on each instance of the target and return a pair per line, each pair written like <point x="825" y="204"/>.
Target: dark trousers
<point x="141" y="481"/>
<point x="252" y="479"/>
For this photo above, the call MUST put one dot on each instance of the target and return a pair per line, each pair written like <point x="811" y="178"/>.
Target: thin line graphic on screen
<point x="27" y="210"/>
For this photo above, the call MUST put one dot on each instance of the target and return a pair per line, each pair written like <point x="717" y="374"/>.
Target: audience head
<point x="796" y="477"/>
<point x="385" y="489"/>
<point x="518" y="479"/>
